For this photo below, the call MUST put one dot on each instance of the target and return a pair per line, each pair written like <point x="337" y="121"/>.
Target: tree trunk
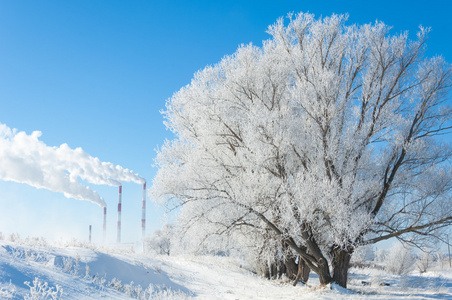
<point x="322" y="269"/>
<point x="273" y="270"/>
<point x="267" y="274"/>
<point x="291" y="267"/>
<point x="281" y="268"/>
<point x="341" y="264"/>
<point x="303" y="272"/>
<point x="324" y="272"/>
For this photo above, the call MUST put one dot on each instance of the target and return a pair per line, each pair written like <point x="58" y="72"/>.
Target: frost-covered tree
<point x="364" y="254"/>
<point x="160" y="241"/>
<point x="400" y="260"/>
<point x="328" y="137"/>
<point x="424" y="262"/>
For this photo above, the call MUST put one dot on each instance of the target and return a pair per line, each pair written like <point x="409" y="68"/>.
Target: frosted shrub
<point x="73" y="242"/>
<point x="30" y="255"/>
<point x="35" y="242"/>
<point x="77" y="265"/>
<point x="138" y="291"/>
<point x="14" y="237"/>
<point x="364" y="254"/>
<point x="41" y="291"/>
<point x="67" y="264"/>
<point x="424" y="262"/>
<point x="130" y="290"/>
<point x="17" y="252"/>
<point x="381" y="255"/>
<point x="70" y="265"/>
<point x="8" y="292"/>
<point x="400" y="260"/>
<point x="442" y="260"/>
<point x="99" y="281"/>
<point x="116" y="284"/>
<point x="163" y="293"/>
<point x="160" y="241"/>
<point x="87" y="276"/>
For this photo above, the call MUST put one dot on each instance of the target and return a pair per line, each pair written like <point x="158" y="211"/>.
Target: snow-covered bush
<point x="35" y="242"/>
<point x="99" y="281"/>
<point x="8" y="291"/>
<point x="424" y="262"/>
<point x="130" y="290"/>
<point x="116" y="284"/>
<point x="441" y="260"/>
<point x="14" y="237"/>
<point x="67" y="264"/>
<point x="41" y="290"/>
<point x="154" y="292"/>
<point x="134" y="291"/>
<point x="30" y="255"/>
<point x="163" y="293"/>
<point x="381" y="255"/>
<point x="160" y="241"/>
<point x="364" y="254"/>
<point x="400" y="260"/>
<point x="87" y="276"/>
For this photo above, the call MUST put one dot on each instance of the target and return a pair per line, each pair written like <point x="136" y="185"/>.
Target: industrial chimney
<point x="143" y="213"/>
<point x="104" y="227"/>
<point x="90" y="227"/>
<point x="118" y="239"/>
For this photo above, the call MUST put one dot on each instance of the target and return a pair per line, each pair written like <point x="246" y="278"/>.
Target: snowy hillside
<point x="82" y="273"/>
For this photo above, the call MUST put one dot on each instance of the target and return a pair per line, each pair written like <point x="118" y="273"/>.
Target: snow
<point x="111" y="271"/>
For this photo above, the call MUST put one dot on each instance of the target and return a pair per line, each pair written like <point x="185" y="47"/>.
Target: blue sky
<point x="95" y="74"/>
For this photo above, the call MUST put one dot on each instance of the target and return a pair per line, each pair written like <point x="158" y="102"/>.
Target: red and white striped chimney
<point x="118" y="239"/>
<point x="90" y="227"/>
<point x="143" y="213"/>
<point x="104" y="227"/>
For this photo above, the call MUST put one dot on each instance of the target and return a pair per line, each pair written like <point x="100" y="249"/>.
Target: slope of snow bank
<point x="103" y="274"/>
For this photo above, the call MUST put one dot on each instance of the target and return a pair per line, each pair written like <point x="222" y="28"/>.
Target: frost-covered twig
<point x="40" y="290"/>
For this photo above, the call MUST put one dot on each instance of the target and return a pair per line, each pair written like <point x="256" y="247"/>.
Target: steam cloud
<point x="26" y="159"/>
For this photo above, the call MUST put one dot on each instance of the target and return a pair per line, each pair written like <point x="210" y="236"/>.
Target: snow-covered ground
<point x="83" y="273"/>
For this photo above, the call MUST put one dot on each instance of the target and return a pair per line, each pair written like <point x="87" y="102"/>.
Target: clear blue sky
<point x="95" y="74"/>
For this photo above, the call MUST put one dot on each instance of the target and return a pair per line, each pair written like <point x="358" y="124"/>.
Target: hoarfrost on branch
<point x="327" y="137"/>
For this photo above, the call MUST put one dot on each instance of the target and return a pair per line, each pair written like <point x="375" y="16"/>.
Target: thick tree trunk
<point x="281" y="268"/>
<point x="303" y="272"/>
<point x="266" y="273"/>
<point x="322" y="269"/>
<point x="324" y="272"/>
<point x="315" y="259"/>
<point x="291" y="268"/>
<point x="341" y="264"/>
<point x="273" y="270"/>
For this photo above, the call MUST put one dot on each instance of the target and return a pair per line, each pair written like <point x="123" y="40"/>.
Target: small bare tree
<point x="424" y="262"/>
<point x="400" y="260"/>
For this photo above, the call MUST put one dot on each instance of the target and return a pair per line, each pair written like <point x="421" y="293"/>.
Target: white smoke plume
<point x="80" y="164"/>
<point x="26" y="159"/>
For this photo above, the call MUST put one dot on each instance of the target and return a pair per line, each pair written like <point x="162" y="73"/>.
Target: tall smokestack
<point x="118" y="239"/>
<point x="143" y="213"/>
<point x="90" y="227"/>
<point x="104" y="227"/>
